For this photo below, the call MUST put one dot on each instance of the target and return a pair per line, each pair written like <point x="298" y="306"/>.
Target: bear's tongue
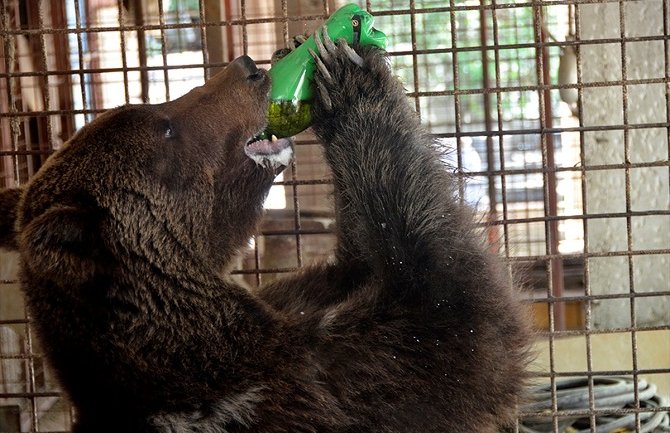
<point x="270" y="152"/>
<point x="266" y="147"/>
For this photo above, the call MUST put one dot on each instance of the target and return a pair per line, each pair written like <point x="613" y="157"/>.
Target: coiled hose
<point x="608" y="393"/>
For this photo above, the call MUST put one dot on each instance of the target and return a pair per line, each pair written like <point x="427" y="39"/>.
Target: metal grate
<point x="558" y="113"/>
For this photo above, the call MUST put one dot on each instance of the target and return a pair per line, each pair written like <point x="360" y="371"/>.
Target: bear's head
<point x="173" y="184"/>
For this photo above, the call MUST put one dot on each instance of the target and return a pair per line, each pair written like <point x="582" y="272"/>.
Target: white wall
<point x="605" y="189"/>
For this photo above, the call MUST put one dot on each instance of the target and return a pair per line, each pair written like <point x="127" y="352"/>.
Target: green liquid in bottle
<point x="287" y="118"/>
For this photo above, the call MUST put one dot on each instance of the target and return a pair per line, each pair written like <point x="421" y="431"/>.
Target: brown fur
<point x="125" y="237"/>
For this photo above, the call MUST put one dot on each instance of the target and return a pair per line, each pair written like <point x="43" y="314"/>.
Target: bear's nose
<point x="247" y="63"/>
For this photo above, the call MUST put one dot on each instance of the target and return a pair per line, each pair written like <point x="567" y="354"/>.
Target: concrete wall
<point x="605" y="189"/>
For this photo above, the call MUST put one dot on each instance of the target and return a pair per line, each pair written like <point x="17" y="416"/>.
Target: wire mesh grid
<point x="557" y="113"/>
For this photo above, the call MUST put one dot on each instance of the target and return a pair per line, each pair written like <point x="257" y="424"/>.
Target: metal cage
<point x="556" y="114"/>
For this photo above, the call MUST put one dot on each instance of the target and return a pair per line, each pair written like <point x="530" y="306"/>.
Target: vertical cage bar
<point x="588" y="313"/>
<point x="518" y="58"/>
<point x="457" y="99"/>
<point x="666" y="46"/>
<point x="80" y="57"/>
<point x="415" y="58"/>
<point x="203" y="40"/>
<point x="161" y="21"/>
<point x="556" y="263"/>
<point x="44" y="82"/>
<point x="493" y="211"/>
<point x="122" y="38"/>
<point x="488" y="123"/>
<point x="284" y="14"/>
<point x="31" y="373"/>
<point x="14" y="122"/>
<point x="229" y="39"/>
<point x="245" y="36"/>
<point x="629" y="229"/>
<point x="540" y="77"/>
<point x="548" y="162"/>
<point x="501" y="149"/>
<point x="142" y="50"/>
<point x="297" y="223"/>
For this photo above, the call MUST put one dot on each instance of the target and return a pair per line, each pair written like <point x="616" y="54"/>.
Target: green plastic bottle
<point x="292" y="93"/>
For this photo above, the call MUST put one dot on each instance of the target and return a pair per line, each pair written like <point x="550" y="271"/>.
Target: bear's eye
<point x="168" y="130"/>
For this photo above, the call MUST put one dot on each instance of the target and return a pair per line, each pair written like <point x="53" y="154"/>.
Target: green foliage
<point x="433" y="31"/>
<point x="183" y="5"/>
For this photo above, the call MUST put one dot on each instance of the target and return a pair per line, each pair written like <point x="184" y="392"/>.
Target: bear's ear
<point x="63" y="245"/>
<point x="9" y="201"/>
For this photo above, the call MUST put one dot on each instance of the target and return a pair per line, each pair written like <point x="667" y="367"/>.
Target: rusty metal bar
<point x="203" y="40"/>
<point x="488" y="125"/>
<point x="588" y="319"/>
<point x="415" y="58"/>
<point x="555" y="270"/>
<point x="456" y="93"/>
<point x="245" y="23"/>
<point x="80" y="51"/>
<point x="629" y="222"/>
<point x="142" y="50"/>
<point x="44" y="83"/>
<point x="9" y="51"/>
<point x="166" y="77"/>
<point x="122" y="38"/>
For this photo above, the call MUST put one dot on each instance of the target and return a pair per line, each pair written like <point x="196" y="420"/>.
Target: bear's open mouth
<point x="273" y="152"/>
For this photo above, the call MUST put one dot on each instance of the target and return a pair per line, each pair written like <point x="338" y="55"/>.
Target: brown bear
<point x="127" y="232"/>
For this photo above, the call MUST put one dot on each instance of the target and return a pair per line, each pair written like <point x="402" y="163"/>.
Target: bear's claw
<point x="320" y="45"/>
<point x="326" y="56"/>
<point x="319" y="64"/>
<point x="327" y="41"/>
<point x="327" y="47"/>
<point x="353" y="55"/>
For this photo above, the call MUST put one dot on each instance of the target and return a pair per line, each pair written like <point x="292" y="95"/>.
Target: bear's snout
<point x="249" y="68"/>
<point x="248" y="63"/>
